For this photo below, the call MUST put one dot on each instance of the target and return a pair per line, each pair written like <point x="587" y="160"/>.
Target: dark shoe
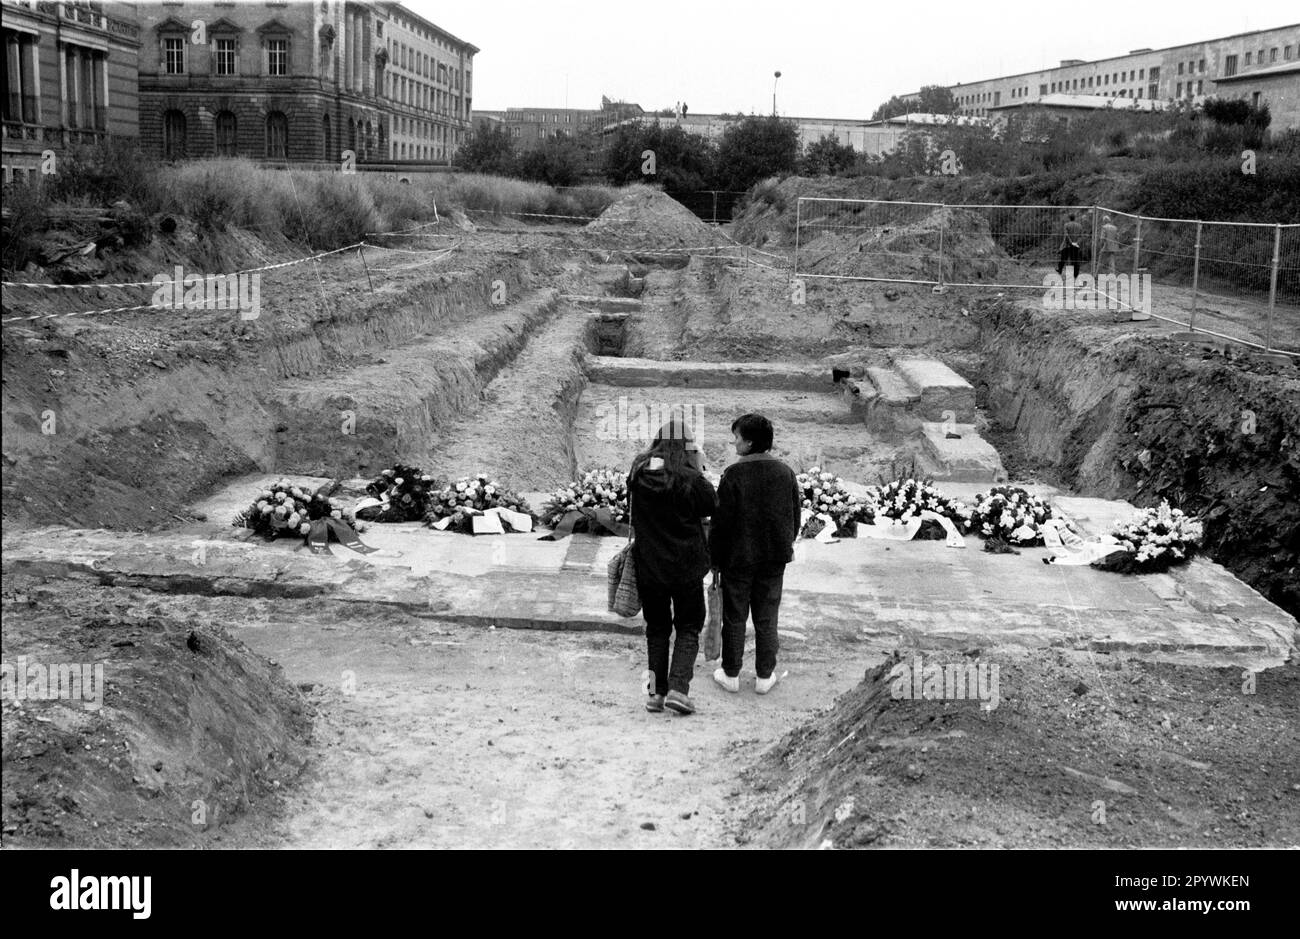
<point x="676" y="701"/>
<point x="655" y="703"/>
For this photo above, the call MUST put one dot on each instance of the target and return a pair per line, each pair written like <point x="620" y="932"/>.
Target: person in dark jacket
<point x="1071" y="249"/>
<point x="669" y="498"/>
<point x="750" y="542"/>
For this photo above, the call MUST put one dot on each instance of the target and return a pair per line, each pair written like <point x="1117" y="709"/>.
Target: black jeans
<point x="755" y="590"/>
<point x="668" y="608"/>
<point x="1072" y="257"/>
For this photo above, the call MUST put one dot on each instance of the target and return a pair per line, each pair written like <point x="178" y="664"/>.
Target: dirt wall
<point x="1140" y="418"/>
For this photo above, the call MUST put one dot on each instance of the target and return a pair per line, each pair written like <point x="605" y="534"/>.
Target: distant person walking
<point x="1071" y="252"/>
<point x="668" y="497"/>
<point x="1109" y="244"/>
<point x="750" y="542"/>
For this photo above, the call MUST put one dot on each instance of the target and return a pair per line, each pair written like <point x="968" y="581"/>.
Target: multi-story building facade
<point x="529" y="126"/>
<point x="1258" y="65"/>
<point x="69" y="79"/>
<point x="301" y="82"/>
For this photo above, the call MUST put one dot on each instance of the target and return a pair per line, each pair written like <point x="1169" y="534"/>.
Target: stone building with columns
<point x="301" y="82"/>
<point x="69" y="80"/>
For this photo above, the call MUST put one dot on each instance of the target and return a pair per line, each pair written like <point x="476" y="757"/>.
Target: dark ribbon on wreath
<point x="592" y="521"/>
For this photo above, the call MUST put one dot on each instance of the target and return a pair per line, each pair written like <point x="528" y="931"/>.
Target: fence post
<point x="1094" y="244"/>
<point x="943" y="215"/>
<point x="715" y="206"/>
<point x="798" y="219"/>
<point x="1272" y="287"/>
<point x="1196" y="278"/>
<point x="1137" y="246"/>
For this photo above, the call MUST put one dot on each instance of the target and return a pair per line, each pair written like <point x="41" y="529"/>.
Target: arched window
<point x="173" y="135"/>
<point x="330" y="155"/>
<point x="277" y="136"/>
<point x="226" y="134"/>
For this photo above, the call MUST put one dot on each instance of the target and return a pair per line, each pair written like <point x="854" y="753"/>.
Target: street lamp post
<point x="774" y="81"/>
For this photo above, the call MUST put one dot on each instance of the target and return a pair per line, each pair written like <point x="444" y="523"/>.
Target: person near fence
<point x="669" y="497"/>
<point x="750" y="543"/>
<point x="1109" y="245"/>
<point x="1071" y="252"/>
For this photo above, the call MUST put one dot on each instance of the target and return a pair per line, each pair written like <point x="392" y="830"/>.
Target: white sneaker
<point x="764" y="685"/>
<point x="728" y="684"/>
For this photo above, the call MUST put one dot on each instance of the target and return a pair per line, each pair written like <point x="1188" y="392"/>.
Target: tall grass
<point x="501" y="194"/>
<point x="320" y="210"/>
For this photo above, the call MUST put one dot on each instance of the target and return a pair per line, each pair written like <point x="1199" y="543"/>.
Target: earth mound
<point x="1047" y="749"/>
<point x="643" y="217"/>
<point x="171" y="728"/>
<point x="911" y="249"/>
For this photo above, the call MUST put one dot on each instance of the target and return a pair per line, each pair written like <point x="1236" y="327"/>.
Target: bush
<point x="105" y="173"/>
<point x="683" y="162"/>
<point x="753" y="149"/>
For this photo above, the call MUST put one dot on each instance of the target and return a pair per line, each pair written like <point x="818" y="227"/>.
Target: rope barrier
<point x="164" y="283"/>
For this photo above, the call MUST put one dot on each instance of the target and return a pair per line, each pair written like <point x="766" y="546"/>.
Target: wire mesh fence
<point x="1238" y="281"/>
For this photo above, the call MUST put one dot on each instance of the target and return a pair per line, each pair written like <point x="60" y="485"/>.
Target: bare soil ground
<point x="1080" y="751"/>
<point x="429" y="734"/>
<point x="424" y="733"/>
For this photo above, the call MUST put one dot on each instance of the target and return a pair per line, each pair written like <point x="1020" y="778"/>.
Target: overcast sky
<point x="837" y="59"/>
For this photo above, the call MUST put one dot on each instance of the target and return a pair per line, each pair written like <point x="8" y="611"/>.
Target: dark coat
<point x="757" y="521"/>
<point x="670" y="546"/>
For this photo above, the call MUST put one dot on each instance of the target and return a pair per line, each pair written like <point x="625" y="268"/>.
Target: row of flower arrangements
<point x="1156" y="538"/>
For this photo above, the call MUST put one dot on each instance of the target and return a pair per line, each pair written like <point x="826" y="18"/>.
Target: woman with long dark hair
<point x="670" y="497"/>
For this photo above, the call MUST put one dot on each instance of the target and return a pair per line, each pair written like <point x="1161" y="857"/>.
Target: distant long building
<point x="1262" y="66"/>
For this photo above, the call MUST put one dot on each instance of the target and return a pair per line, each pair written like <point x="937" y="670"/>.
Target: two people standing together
<point x="754" y="521"/>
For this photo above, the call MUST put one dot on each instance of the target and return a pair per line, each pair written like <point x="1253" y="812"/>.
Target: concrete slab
<point x="939" y="388"/>
<point x="891" y="387"/>
<point x="969" y="457"/>
<point x="885" y="594"/>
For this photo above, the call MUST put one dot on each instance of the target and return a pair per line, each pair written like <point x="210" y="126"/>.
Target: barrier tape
<point x="584" y="218"/>
<point x="163" y="283"/>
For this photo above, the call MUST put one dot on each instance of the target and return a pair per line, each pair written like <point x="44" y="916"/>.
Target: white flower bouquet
<point x="1154" y="539"/>
<point x="602" y="489"/>
<point x="468" y="496"/>
<point x="1012" y="515"/>
<point x="824" y="494"/>
<point x="288" y="510"/>
<point x="906" y="499"/>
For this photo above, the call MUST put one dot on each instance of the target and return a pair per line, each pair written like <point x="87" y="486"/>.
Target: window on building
<point x="1272" y="54"/>
<point x="1254" y="99"/>
<point x="1230" y="65"/>
<point x="1141" y="74"/>
<point x="226" y="56"/>
<point x="1200" y="85"/>
<point x="1178" y="93"/>
<point x="226" y="134"/>
<point x="1288" y="53"/>
<point x="277" y="136"/>
<point x="174" y="55"/>
<point x="1180" y="68"/>
<point x="277" y="57"/>
<point x="1200" y="66"/>
<point x="1247" y="59"/>
<point x="173" y="135"/>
